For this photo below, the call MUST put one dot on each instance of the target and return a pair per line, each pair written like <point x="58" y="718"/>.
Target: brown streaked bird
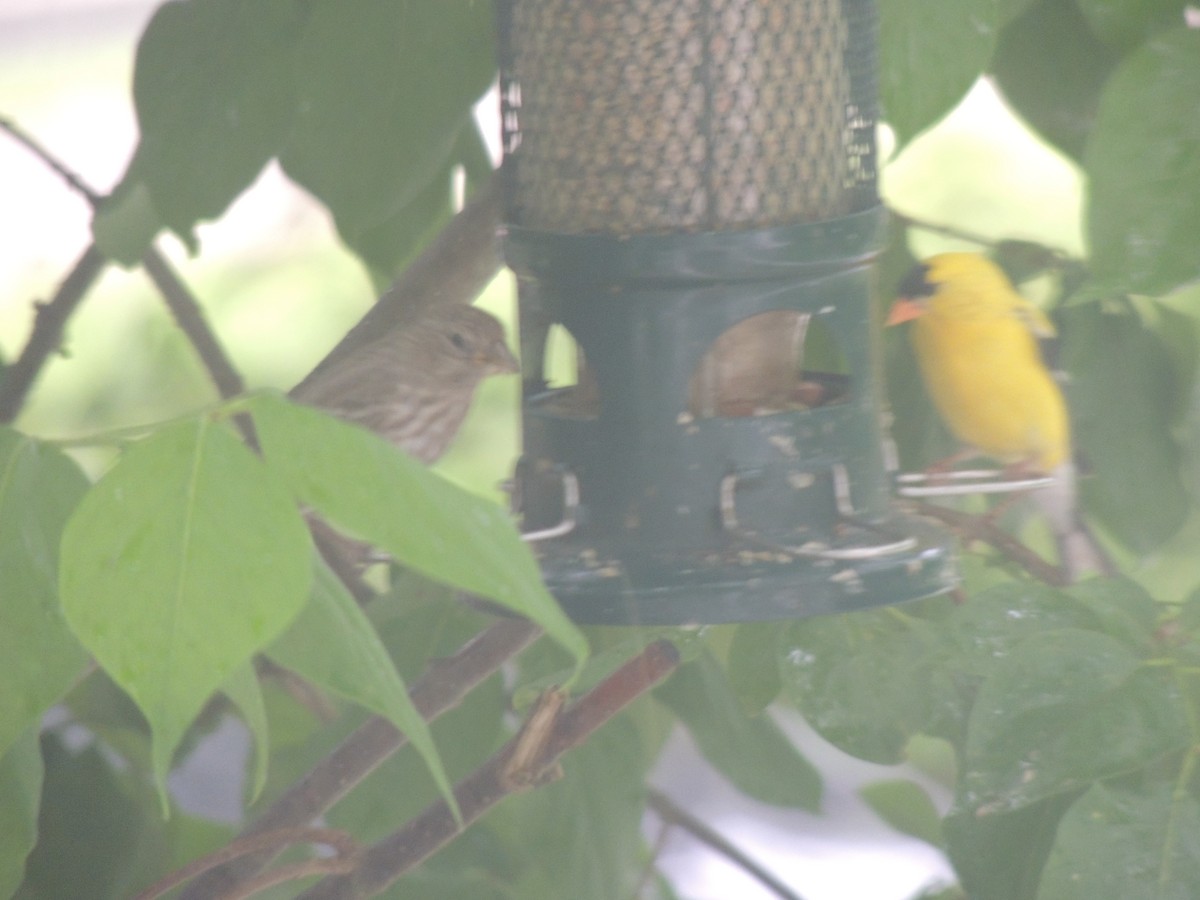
<point x="414" y="384"/>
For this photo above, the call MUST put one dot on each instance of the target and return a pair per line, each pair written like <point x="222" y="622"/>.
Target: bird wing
<point x="1033" y="318"/>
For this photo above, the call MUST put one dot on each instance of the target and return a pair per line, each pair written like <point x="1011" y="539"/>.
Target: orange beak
<point x="905" y="310"/>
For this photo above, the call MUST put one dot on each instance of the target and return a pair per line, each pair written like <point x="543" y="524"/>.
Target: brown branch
<point x="190" y="319"/>
<point x="178" y="299"/>
<point x="982" y="528"/>
<point x="51" y="318"/>
<point x="47" y="334"/>
<point x="291" y="872"/>
<point x="441" y="688"/>
<point x="673" y="814"/>
<point x="346" y="847"/>
<point x="528" y="760"/>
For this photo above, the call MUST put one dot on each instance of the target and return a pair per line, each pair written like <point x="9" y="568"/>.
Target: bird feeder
<point x="692" y="201"/>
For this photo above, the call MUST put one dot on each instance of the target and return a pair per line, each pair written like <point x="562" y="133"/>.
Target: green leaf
<point x="420" y="620"/>
<point x="401" y="787"/>
<point x="545" y="666"/>
<point x="92" y="828"/>
<point x="467" y="882"/>
<point x="1131" y="843"/>
<point x="364" y="485"/>
<point x="906" y="807"/>
<point x="864" y="680"/>
<point x="1051" y="69"/>
<point x="1122" y="402"/>
<point x="752" y="752"/>
<point x="931" y="52"/>
<point x="1065" y="708"/>
<point x="983" y="633"/>
<point x="125" y="223"/>
<point x="1122" y="608"/>
<point x="213" y="87"/>
<point x="1125" y="24"/>
<point x="333" y="645"/>
<point x="584" y="830"/>
<point x="243" y="690"/>
<point x="182" y="561"/>
<point x="20" y="795"/>
<point x="754" y="665"/>
<point x="369" y="137"/>
<point x="388" y="246"/>
<point x="999" y="856"/>
<point x="39" y="487"/>
<point x="1142" y="162"/>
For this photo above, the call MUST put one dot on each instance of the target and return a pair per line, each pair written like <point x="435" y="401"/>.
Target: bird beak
<point x="905" y="310"/>
<point x="499" y="359"/>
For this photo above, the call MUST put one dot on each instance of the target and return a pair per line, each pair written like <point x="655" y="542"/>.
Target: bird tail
<point x="1078" y="550"/>
<point x="1080" y="553"/>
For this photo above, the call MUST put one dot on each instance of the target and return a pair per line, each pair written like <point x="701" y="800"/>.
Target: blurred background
<point x="280" y="290"/>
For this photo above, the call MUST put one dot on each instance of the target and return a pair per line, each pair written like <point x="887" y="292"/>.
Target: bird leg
<point x="937" y="471"/>
<point x="1014" y="471"/>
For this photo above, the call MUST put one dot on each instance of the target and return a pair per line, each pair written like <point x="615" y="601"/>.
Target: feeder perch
<point x="692" y="201"/>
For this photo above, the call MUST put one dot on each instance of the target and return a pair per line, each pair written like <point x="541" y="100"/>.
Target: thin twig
<point x="441" y="688"/>
<point x="190" y="319"/>
<point x="984" y="529"/>
<point x="305" y="868"/>
<point x="1048" y="258"/>
<point x="945" y="230"/>
<point x="673" y="814"/>
<point x="30" y="144"/>
<point x="346" y="847"/>
<point x="528" y="760"/>
<point x="650" y="869"/>
<point x="47" y="334"/>
<point x="180" y="302"/>
<point x="51" y="318"/>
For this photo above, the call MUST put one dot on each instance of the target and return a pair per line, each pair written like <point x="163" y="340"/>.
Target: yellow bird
<point x="975" y="339"/>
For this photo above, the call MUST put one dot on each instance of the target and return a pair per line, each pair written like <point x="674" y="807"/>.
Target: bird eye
<point x="459" y="342"/>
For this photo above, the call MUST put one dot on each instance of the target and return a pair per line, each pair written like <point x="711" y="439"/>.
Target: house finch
<point x="414" y="384"/>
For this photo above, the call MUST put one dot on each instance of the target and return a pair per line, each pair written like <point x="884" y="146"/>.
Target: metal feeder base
<point x="748" y="581"/>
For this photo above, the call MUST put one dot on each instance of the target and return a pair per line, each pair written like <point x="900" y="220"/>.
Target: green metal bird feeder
<point x="692" y="197"/>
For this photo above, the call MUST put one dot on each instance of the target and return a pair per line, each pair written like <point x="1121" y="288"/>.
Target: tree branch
<point x="190" y="319"/>
<point x="944" y="230"/>
<point x="443" y="686"/>
<point x="47" y="333"/>
<point x="51" y="318"/>
<point x="179" y="300"/>
<point x="673" y="814"/>
<point x="982" y="528"/>
<point x="528" y="760"/>
<point x="347" y="851"/>
<point x="71" y="178"/>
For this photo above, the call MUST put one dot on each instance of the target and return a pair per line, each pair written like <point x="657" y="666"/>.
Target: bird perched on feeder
<point x="975" y="340"/>
<point x="414" y="384"/>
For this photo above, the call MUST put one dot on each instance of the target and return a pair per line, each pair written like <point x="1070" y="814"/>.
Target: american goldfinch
<point x="975" y="340"/>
